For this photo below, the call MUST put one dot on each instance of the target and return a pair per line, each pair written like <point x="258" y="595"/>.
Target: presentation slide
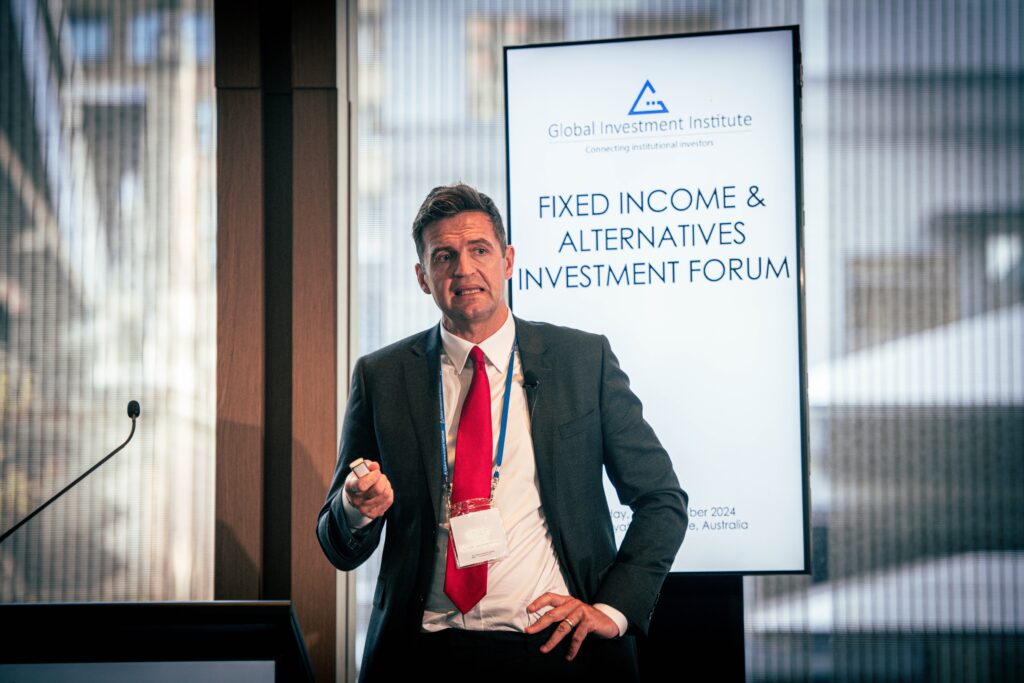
<point x="654" y="198"/>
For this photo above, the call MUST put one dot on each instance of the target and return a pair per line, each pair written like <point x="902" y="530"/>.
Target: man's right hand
<point x="371" y="494"/>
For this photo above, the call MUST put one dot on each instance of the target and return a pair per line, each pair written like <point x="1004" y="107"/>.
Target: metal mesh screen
<point x="107" y="293"/>
<point x="914" y="235"/>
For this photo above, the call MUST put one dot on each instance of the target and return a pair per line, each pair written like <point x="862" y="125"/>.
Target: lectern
<point x="219" y="641"/>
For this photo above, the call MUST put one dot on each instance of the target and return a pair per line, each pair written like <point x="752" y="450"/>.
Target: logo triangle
<point x="645" y="102"/>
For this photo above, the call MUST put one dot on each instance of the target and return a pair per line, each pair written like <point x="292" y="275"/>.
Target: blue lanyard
<point x="501" y="434"/>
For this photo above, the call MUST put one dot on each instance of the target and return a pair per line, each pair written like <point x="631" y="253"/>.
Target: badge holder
<point x="477" y="532"/>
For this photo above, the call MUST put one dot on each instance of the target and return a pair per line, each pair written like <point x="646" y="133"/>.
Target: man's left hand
<point x="573" y="616"/>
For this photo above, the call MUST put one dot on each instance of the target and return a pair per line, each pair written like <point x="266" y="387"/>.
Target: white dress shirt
<point x="531" y="567"/>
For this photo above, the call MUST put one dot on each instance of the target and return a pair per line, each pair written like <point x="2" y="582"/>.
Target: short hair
<point x="446" y="201"/>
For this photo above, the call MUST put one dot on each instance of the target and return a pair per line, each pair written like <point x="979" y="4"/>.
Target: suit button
<point x="420" y="599"/>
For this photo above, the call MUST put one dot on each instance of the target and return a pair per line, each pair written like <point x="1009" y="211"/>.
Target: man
<point x="488" y="412"/>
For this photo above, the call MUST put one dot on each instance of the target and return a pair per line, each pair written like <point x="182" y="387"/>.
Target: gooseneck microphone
<point x="133" y="412"/>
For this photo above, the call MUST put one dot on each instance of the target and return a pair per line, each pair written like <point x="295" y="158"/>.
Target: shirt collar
<point x="496" y="348"/>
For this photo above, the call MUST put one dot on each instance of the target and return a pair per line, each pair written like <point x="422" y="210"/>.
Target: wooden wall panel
<point x="240" y="348"/>
<point x="236" y="45"/>
<point x="277" y="317"/>
<point x="314" y="357"/>
<point x="313" y="44"/>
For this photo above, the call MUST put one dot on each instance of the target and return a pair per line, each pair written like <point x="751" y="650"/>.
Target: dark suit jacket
<point x="585" y="419"/>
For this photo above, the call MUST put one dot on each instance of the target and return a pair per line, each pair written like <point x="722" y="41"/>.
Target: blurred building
<point x="107" y="293"/>
<point x="914" y="233"/>
<point x="913" y="152"/>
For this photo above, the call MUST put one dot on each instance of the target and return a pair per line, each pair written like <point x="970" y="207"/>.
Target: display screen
<point x="654" y="197"/>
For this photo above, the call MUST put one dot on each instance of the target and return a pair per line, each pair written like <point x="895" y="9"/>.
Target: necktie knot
<point x="478" y="358"/>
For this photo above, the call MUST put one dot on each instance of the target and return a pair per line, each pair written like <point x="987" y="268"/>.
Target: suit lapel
<point x="533" y="354"/>
<point x="534" y="357"/>
<point x="420" y="371"/>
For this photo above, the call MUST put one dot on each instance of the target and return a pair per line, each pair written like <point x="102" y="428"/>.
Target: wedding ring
<point x="572" y="624"/>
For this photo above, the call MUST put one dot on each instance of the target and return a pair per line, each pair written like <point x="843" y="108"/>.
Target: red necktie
<point x="471" y="479"/>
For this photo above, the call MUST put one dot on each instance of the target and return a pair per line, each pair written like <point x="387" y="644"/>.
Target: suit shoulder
<point x="559" y="335"/>
<point x="387" y="355"/>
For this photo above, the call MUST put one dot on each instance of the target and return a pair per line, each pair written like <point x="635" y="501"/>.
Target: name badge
<point x="478" y="537"/>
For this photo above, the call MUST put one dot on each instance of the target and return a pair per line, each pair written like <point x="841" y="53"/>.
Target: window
<point x="912" y="152"/>
<point x="155" y="37"/>
<point x="107" y="293"/>
<point x="90" y="36"/>
<point x="486" y="36"/>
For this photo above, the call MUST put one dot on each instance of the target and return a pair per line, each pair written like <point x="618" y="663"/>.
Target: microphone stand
<point x="133" y="413"/>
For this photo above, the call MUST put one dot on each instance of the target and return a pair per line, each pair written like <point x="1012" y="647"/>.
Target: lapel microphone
<point x="133" y="413"/>
<point x="531" y="383"/>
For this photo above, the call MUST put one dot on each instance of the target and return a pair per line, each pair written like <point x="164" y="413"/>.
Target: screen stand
<point x="697" y="630"/>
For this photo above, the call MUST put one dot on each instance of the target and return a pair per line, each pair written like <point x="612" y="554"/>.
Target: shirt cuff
<point x="615" y="615"/>
<point x="354" y="518"/>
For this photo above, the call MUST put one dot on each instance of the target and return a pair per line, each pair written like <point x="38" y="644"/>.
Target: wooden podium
<point x="197" y="641"/>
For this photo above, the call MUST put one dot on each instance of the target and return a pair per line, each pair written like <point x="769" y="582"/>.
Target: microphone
<point x="531" y="383"/>
<point x="133" y="412"/>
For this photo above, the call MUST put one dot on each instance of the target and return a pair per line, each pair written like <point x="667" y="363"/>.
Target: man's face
<point x="464" y="269"/>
